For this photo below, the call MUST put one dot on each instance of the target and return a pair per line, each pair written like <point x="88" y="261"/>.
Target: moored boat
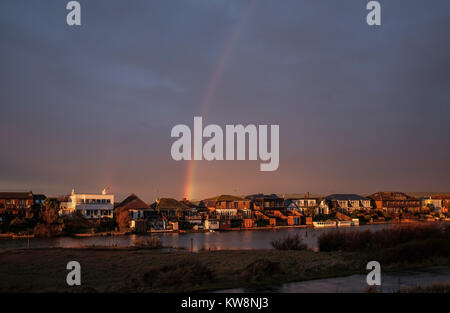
<point x="324" y="224"/>
<point x="344" y="223"/>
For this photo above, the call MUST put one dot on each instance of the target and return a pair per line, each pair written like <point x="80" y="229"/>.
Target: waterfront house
<point x="212" y="224"/>
<point x="265" y="202"/>
<point x="138" y="211"/>
<point x="171" y="208"/>
<point x="248" y="223"/>
<point x="437" y="202"/>
<point x="306" y="205"/>
<point x="16" y="204"/>
<point x="348" y="203"/>
<point x="227" y="202"/>
<point x="91" y="206"/>
<point x="228" y="207"/>
<point x="395" y="202"/>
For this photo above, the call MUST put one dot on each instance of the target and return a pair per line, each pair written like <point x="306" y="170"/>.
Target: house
<point x="394" y="202"/>
<point x="91" y="206"/>
<point x="212" y="224"/>
<point x="138" y="211"/>
<point x="248" y="223"/>
<point x="266" y="202"/>
<point x="227" y="206"/>
<point x="171" y="207"/>
<point x="348" y="203"/>
<point x="16" y="204"/>
<point x="439" y="202"/>
<point x="306" y="205"/>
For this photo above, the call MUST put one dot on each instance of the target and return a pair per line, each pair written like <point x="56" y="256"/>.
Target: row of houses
<point x="223" y="211"/>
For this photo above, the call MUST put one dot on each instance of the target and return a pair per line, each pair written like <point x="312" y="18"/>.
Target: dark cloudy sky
<point x="360" y="109"/>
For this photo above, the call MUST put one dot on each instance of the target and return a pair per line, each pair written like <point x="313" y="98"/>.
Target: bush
<point x="260" y="269"/>
<point x="290" y="242"/>
<point x="46" y="230"/>
<point x="386" y="238"/>
<point x="416" y="251"/>
<point x="180" y="274"/>
<point x="76" y="223"/>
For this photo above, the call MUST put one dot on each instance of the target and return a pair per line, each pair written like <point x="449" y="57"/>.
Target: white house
<point x="433" y="202"/>
<point x="92" y="206"/>
<point x="211" y="224"/>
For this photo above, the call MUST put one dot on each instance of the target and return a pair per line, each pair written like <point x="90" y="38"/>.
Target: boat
<point x="355" y="222"/>
<point x="324" y="224"/>
<point x="344" y="223"/>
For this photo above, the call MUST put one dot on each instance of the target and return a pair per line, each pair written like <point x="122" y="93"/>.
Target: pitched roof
<point x="169" y="204"/>
<point x="343" y="196"/>
<point x="391" y="195"/>
<point x="133" y="202"/>
<point x="263" y="196"/>
<point x="226" y="198"/>
<point x="16" y="195"/>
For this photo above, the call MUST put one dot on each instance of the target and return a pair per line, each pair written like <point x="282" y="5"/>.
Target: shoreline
<point x="13" y="236"/>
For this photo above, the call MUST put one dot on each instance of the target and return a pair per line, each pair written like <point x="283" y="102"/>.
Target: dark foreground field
<point x="144" y="270"/>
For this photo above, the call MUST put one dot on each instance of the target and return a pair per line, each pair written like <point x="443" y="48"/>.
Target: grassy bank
<point x="143" y="270"/>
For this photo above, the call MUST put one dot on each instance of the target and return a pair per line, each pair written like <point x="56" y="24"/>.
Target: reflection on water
<point x="251" y="239"/>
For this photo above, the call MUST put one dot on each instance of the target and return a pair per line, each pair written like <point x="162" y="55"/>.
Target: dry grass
<point x="147" y="270"/>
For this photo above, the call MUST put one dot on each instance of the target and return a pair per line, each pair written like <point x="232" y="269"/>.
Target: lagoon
<point x="219" y="240"/>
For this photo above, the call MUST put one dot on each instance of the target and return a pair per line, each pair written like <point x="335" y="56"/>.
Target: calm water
<point x="390" y="282"/>
<point x="251" y="239"/>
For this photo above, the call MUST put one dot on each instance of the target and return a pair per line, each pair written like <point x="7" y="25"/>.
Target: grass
<point x="382" y="239"/>
<point x="290" y="242"/>
<point x="152" y="270"/>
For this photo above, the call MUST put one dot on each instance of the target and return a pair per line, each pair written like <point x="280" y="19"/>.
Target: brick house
<point x="395" y="202"/>
<point x="16" y="204"/>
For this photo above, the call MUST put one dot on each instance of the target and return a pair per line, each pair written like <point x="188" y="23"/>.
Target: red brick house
<point x="16" y="204"/>
<point x="395" y="202"/>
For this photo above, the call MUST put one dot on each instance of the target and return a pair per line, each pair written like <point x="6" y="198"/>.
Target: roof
<point x="16" y="195"/>
<point x="133" y="202"/>
<point x="344" y="196"/>
<point x="226" y="198"/>
<point x="263" y="196"/>
<point x="391" y="195"/>
<point x="445" y="196"/>
<point x="169" y="204"/>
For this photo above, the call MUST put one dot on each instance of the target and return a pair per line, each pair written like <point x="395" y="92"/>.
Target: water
<point x="390" y="282"/>
<point x="250" y="239"/>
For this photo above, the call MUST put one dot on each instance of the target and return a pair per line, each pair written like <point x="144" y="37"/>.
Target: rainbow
<point x="189" y="183"/>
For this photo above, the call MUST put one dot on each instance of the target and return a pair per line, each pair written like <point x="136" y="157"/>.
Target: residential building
<point x="266" y="202"/>
<point x="171" y="207"/>
<point x="227" y="202"/>
<point x="14" y="204"/>
<point x="307" y="206"/>
<point x="348" y="203"/>
<point x="212" y="224"/>
<point x="91" y="206"/>
<point x="138" y="211"/>
<point x="395" y="202"/>
<point x="440" y="202"/>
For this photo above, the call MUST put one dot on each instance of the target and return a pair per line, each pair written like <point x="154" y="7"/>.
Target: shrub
<point x="180" y="274"/>
<point x="386" y="238"/>
<point x="416" y="251"/>
<point x="260" y="269"/>
<point x="46" y="230"/>
<point x="290" y="242"/>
